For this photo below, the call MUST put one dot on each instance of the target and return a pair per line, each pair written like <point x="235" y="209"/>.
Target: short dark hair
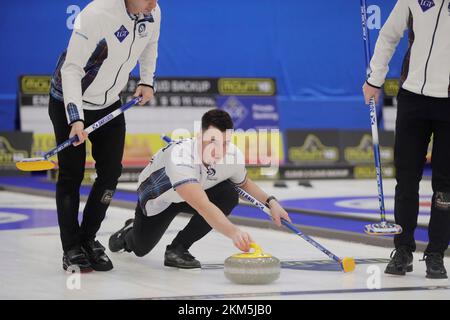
<point x="217" y="118"/>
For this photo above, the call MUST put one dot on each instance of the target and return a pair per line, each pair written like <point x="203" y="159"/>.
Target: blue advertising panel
<point x="251" y="112"/>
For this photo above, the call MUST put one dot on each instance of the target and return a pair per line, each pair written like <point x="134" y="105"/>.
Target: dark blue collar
<point x="147" y="18"/>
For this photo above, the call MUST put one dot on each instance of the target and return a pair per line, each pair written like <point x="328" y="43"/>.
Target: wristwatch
<point x="270" y="199"/>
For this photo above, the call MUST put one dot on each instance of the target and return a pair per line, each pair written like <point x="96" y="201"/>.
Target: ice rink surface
<point x="31" y="254"/>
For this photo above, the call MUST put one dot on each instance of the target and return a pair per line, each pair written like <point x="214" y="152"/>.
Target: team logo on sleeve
<point x="426" y="4"/>
<point x="142" y="30"/>
<point x="211" y="172"/>
<point x="122" y="33"/>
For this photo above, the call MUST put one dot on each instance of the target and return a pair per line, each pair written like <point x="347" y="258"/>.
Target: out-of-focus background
<point x="296" y="66"/>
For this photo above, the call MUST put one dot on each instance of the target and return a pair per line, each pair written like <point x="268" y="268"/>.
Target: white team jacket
<point x="106" y="44"/>
<point x="426" y="68"/>
<point x="179" y="163"/>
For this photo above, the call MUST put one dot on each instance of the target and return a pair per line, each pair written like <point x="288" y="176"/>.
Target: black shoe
<point x="75" y="260"/>
<point x="96" y="255"/>
<point x="401" y="262"/>
<point x="177" y="256"/>
<point x="435" y="265"/>
<point x="117" y="240"/>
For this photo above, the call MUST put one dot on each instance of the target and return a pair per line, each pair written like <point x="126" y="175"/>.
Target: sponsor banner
<point x="390" y="91"/>
<point x="328" y="172"/>
<point x="35" y="100"/>
<point x="178" y="86"/>
<point x="369" y="172"/>
<point x="176" y="92"/>
<point x="263" y="148"/>
<point x="40" y="84"/>
<point x="329" y="154"/>
<point x="313" y="148"/>
<point x="336" y="172"/>
<point x="256" y="173"/>
<point x="14" y="146"/>
<point x="174" y="100"/>
<point x="181" y="94"/>
<point x="42" y="142"/>
<point x="34" y="90"/>
<point x="251" y="112"/>
<point x="357" y="147"/>
<point x="391" y="88"/>
<point x="389" y="115"/>
<point x="247" y="87"/>
<point x="263" y="153"/>
<point x="389" y="98"/>
<point x="35" y="84"/>
<point x="325" y="147"/>
<point x="139" y="148"/>
<point x="193" y="86"/>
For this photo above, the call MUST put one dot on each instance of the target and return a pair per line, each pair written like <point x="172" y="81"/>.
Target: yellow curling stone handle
<point x="257" y="253"/>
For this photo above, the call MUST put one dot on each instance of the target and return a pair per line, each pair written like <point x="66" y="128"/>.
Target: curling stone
<point x="252" y="268"/>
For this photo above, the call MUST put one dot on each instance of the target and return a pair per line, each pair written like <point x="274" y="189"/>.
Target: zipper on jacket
<point x="129" y="55"/>
<point x="431" y="48"/>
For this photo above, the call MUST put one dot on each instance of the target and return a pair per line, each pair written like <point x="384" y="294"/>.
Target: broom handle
<point x="92" y="127"/>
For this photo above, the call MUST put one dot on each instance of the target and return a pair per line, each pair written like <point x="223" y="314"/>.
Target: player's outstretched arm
<point x="275" y="208"/>
<point x="197" y="198"/>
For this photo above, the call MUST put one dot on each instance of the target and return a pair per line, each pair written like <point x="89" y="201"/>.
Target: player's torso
<point x="125" y="40"/>
<point x="429" y="67"/>
<point x="155" y="187"/>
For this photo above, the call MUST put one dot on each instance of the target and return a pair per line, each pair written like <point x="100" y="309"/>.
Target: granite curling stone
<point x="252" y="268"/>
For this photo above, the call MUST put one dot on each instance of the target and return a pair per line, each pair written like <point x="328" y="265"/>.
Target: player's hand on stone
<point x="145" y="92"/>
<point x="78" y="130"/>
<point x="278" y="212"/>
<point x="242" y="240"/>
<point x="370" y="92"/>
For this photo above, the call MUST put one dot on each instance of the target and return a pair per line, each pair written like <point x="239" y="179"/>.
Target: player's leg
<point x="225" y="198"/>
<point x="71" y="163"/>
<point x="141" y="234"/>
<point x="439" y="227"/>
<point x="107" y="151"/>
<point x="412" y="135"/>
